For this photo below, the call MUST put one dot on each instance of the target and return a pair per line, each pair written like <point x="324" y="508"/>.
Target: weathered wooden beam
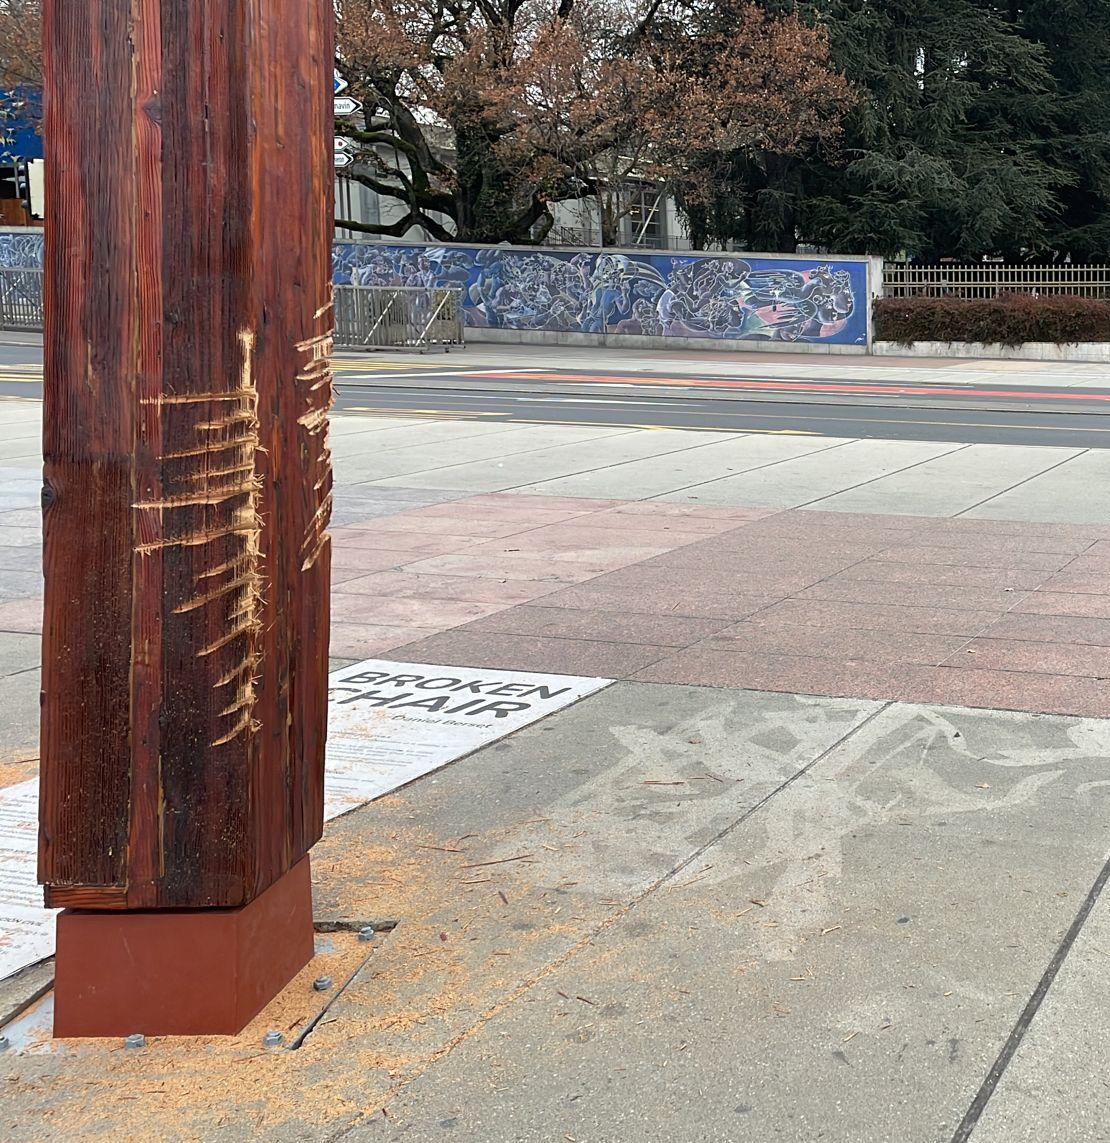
<point x="187" y="476"/>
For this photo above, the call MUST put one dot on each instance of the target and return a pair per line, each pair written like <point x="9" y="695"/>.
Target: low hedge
<point x="1009" y="319"/>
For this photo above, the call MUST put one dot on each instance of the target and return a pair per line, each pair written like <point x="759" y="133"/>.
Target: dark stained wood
<point x="188" y="480"/>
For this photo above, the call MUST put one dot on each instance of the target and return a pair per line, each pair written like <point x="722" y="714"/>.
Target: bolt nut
<point x="135" y="1040"/>
<point x="5" y="1043"/>
<point x="367" y="934"/>
<point x="322" y="983"/>
<point x="273" y="1040"/>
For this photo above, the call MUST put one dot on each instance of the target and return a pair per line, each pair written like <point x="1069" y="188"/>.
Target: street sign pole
<point x="188" y="292"/>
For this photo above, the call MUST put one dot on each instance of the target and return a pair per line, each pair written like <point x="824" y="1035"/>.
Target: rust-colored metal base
<point x="195" y="972"/>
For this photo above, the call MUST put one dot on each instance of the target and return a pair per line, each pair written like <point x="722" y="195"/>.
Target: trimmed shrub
<point x="1010" y="319"/>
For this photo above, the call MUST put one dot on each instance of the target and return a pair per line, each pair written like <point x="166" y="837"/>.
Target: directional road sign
<point x="345" y="105"/>
<point x="341" y="84"/>
<point x="342" y="159"/>
<point x="342" y="143"/>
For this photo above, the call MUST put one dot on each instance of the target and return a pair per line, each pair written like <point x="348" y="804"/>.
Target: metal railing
<point x="21" y="306"/>
<point x="411" y="317"/>
<point x="987" y="280"/>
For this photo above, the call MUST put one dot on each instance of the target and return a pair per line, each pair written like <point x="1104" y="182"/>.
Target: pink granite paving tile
<point x="845" y="521"/>
<point x="407" y="585"/>
<point x="989" y="540"/>
<point x="340" y="576"/>
<point x="959" y="528"/>
<point x="365" y="640"/>
<point x="941" y="575"/>
<point x="715" y="604"/>
<point x="979" y="558"/>
<point x="573" y="536"/>
<point x="1042" y="658"/>
<point x="684" y="581"/>
<point x="1065" y="603"/>
<point x="757" y="636"/>
<point x="22" y="615"/>
<point x="991" y="690"/>
<point x="612" y="547"/>
<point x="1092" y="562"/>
<point x="1082" y="583"/>
<point x="511" y="567"/>
<point x="571" y="505"/>
<point x="366" y="560"/>
<point x="1052" y="629"/>
<point x="616" y="627"/>
<point x="379" y="539"/>
<point x="688" y="516"/>
<point x="486" y="528"/>
<point x="528" y="653"/>
<point x="868" y="617"/>
<point x="806" y="564"/>
<point x="1007" y="690"/>
<point x="430" y="614"/>
<point x="919" y="595"/>
<point x="800" y="674"/>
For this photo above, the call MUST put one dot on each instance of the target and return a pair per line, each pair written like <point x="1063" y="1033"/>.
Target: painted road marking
<point x="875" y="388"/>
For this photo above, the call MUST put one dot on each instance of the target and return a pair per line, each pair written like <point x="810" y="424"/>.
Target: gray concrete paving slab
<point x="844" y="964"/>
<point x="361" y="433"/>
<point x="18" y="653"/>
<point x="19" y="713"/>
<point x="371" y="465"/>
<point x="952" y="483"/>
<point x="656" y="476"/>
<point x="522" y="468"/>
<point x="1056" y="1087"/>
<point x="815" y="476"/>
<point x="1073" y="493"/>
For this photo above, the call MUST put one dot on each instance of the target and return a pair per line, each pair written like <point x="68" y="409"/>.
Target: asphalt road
<point x="887" y="410"/>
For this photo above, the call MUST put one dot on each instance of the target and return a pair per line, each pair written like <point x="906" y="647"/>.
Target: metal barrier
<point x="988" y="279"/>
<point x="21" y="306"/>
<point x="412" y="317"/>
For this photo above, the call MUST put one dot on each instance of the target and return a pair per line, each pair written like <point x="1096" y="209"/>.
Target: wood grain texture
<point x="187" y="480"/>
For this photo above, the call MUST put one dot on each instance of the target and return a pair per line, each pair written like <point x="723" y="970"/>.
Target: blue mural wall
<point x="21" y="249"/>
<point x="657" y="295"/>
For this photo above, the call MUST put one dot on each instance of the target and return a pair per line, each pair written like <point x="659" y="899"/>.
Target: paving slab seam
<point x="838" y="443"/>
<point x="983" y="632"/>
<point x="711" y="434"/>
<point x="1026" y="480"/>
<point x="618" y="431"/>
<point x="584" y="942"/>
<point x="978" y="1105"/>
<point x="885" y="475"/>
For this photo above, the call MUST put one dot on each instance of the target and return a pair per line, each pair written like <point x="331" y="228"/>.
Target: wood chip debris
<point x="502" y="861"/>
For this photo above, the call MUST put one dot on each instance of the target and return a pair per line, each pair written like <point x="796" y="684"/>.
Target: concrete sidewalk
<point x="826" y="862"/>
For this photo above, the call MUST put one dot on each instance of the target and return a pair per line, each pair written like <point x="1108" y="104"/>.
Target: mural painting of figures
<point x="791" y="299"/>
<point x="725" y="297"/>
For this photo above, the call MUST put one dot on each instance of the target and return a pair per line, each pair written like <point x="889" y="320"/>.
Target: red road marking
<point x="803" y="386"/>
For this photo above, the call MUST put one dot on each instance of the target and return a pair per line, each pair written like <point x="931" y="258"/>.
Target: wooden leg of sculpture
<point x="187" y="494"/>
